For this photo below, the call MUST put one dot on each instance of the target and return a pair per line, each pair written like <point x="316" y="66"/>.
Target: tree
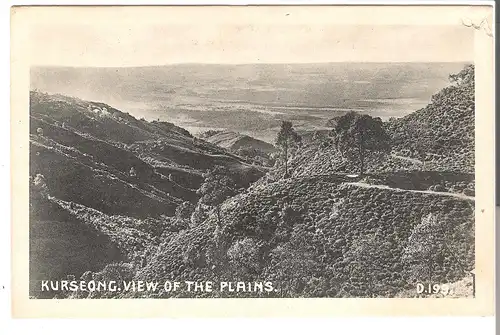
<point x="199" y="214"/>
<point x="217" y="187"/>
<point x="184" y="210"/>
<point x="294" y="265"/>
<point x="464" y="77"/>
<point x="183" y="214"/>
<point x="244" y="258"/>
<point x="365" y="265"/>
<point x="288" y="218"/>
<point x="287" y="139"/>
<point x="355" y="134"/>
<point x="430" y="244"/>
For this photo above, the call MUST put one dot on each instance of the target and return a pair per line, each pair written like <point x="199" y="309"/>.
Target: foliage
<point x="348" y="235"/>
<point x="365" y="261"/>
<point x="244" y="257"/>
<point x="444" y="129"/>
<point x="430" y="244"/>
<point x="355" y="134"/>
<point x="464" y="77"/>
<point x="287" y="139"/>
<point x="184" y="210"/>
<point x="256" y="155"/>
<point x="293" y="266"/>
<point x="217" y="187"/>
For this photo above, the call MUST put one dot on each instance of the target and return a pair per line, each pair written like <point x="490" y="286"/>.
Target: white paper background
<point x="406" y="326"/>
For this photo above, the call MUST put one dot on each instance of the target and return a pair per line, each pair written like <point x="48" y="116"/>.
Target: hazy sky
<point x="139" y="44"/>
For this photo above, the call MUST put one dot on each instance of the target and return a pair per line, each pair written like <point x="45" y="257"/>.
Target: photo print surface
<point x="231" y="158"/>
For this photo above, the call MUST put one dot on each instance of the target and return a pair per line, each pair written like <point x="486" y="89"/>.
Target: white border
<point x="365" y="325"/>
<point x="252" y="2"/>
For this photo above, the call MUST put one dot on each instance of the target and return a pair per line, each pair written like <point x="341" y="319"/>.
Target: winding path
<point x="384" y="187"/>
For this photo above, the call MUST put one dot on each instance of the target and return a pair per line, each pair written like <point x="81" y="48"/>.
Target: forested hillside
<point x="246" y="146"/>
<point x="367" y="209"/>
<point x="91" y="155"/>
<point x="441" y="134"/>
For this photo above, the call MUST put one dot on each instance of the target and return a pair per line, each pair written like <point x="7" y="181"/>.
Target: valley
<point x="144" y="199"/>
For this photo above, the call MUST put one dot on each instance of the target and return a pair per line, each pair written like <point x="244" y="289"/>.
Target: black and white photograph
<point x="275" y="160"/>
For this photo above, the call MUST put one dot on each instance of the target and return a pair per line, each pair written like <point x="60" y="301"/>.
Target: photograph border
<point x="23" y="18"/>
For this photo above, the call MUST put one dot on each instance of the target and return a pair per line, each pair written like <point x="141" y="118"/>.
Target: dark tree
<point x="287" y="139"/>
<point x="217" y="187"/>
<point x="355" y="134"/>
<point x="464" y="77"/>
<point x="431" y="243"/>
<point x="425" y="246"/>
<point x="294" y="265"/>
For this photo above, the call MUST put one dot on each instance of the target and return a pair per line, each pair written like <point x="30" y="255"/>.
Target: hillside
<point x="321" y="231"/>
<point x="234" y="141"/>
<point x="441" y="134"/>
<point x="254" y="150"/>
<point x="438" y="139"/>
<point x="92" y="155"/>
<point x="304" y="235"/>
<point x="71" y="138"/>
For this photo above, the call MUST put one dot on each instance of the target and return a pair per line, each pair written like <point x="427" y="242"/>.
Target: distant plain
<point x="252" y="98"/>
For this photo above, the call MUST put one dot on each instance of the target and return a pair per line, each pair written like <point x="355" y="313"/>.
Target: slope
<point x="441" y="134"/>
<point x="89" y="156"/>
<point x="234" y="141"/>
<point x="323" y="233"/>
<point x="304" y="235"/>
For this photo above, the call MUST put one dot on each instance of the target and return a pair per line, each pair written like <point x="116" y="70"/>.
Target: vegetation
<point x="287" y="139"/>
<point x="444" y="129"/>
<point x="216" y="188"/>
<point x="355" y="134"/>
<point x="137" y="200"/>
<point x="431" y="243"/>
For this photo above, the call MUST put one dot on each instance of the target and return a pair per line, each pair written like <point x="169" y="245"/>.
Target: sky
<point x="104" y="44"/>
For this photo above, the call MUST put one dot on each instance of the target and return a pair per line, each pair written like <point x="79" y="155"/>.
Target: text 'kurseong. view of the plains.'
<point x="350" y="180"/>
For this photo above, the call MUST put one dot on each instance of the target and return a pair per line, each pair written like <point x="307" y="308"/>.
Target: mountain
<point x="233" y="141"/>
<point x="322" y="231"/>
<point x="91" y="155"/>
<point x="326" y="233"/>
<point x="438" y="137"/>
<point x="442" y="133"/>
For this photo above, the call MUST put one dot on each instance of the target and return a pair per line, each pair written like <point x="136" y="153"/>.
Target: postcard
<point x="258" y="161"/>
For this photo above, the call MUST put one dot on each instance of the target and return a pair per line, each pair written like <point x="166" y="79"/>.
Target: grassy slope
<point x="63" y="244"/>
<point x="83" y="153"/>
<point x="85" y="157"/>
<point x="444" y="130"/>
<point x="234" y="141"/>
<point x="332" y="216"/>
<point x="315" y="251"/>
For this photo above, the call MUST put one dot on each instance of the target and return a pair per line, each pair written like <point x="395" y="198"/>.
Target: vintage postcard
<point x="252" y="161"/>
